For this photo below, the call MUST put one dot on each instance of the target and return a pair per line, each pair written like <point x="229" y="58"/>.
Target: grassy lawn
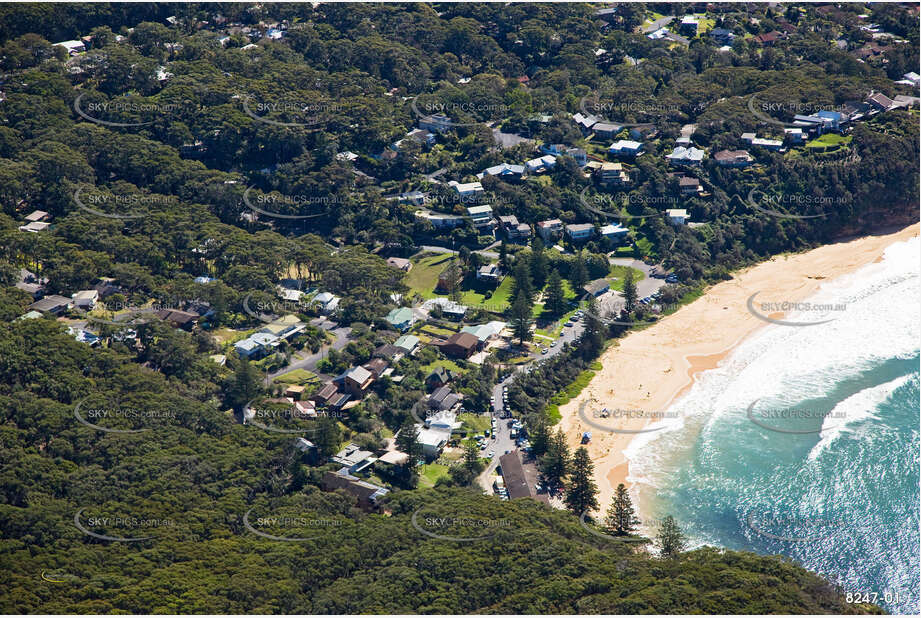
<point x="829" y="141"/>
<point x="617" y="274"/>
<point x="442" y="362"/>
<point x="474" y="423"/>
<point x="571" y="391"/>
<point x="430" y="473"/>
<point x="423" y="277"/>
<point x="436" y="331"/>
<point x="298" y="376"/>
<point x="231" y="335"/>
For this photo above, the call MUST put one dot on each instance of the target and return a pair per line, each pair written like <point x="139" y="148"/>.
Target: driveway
<point x="341" y="334"/>
<point x="659" y="23"/>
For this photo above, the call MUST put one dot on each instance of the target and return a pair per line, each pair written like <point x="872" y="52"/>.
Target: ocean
<point x="805" y="440"/>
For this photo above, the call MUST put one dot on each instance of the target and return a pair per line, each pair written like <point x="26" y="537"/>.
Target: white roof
<point x="677" y="212"/>
<point x="686" y="154"/>
<point x="479" y="210"/>
<point x="625" y="144"/>
<point x="466" y="187"/>
<point x="613" y="229"/>
<point x="433" y="437"/>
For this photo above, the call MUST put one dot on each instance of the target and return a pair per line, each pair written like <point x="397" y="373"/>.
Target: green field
<point x="423" y="278"/>
<point x="829" y="142"/>
<point x="298" y="376"/>
<point x="430" y="473"/>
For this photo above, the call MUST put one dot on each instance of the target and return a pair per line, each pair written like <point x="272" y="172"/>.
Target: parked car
<point x="543" y="351"/>
<point x="567" y="324"/>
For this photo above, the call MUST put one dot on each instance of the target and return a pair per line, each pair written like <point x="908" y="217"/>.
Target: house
<point x="401" y="318"/>
<point x="689" y="25"/>
<point x="35" y="226"/>
<point x="643" y="132"/>
<point x="880" y="101"/>
<point x="513" y="229"/>
<point x="682" y="155"/>
<point x="30" y="315"/>
<point x="767" y="144"/>
<point x="614" y="233"/>
<point x="489" y="272"/>
<point x="515" y="478"/>
<point x="688" y="185"/>
<point x="294" y="391"/>
<point x="815" y="123"/>
<point x="73" y="47"/>
<point x="284" y="327"/>
<point x="389" y="352"/>
<point x="54" y="304"/>
<point x="913" y="78"/>
<point x="585" y="122"/>
<point x="449" y="308"/>
<point x="505" y="171"/>
<point x="326" y="302"/>
<point x="794" y="135"/>
<point x="407" y="343"/>
<point x="84" y="336"/>
<point x="85" y="299"/>
<point x="377" y="366"/>
<point x="441" y="399"/>
<point x="579" y="232"/>
<point x="460" y="345"/>
<point x="597" y="287"/>
<point x="549" y="229"/>
<point x="256" y="345"/>
<point x="767" y="39"/>
<point x="179" y="319"/>
<point x="356" y="381"/>
<point x="393" y="458"/>
<point x="578" y="154"/>
<point x="722" y="36"/>
<point x="625" y="148"/>
<point x="439" y="220"/>
<point x="467" y="191"/>
<point x="353" y="459"/>
<point x="733" y="158"/>
<point x="439" y="377"/>
<point x="439" y="123"/>
<point x="367" y="495"/>
<point x="606" y="130"/>
<point x="400" y="264"/>
<point x="35" y="290"/>
<point x="484" y="332"/>
<point x="481" y="216"/>
<point x="540" y="164"/>
<point x="432" y="442"/>
<point x="347" y="155"/>
<point x="610" y="173"/>
<point x="677" y="216"/>
<point x="37" y="215"/>
<point x="329" y="395"/>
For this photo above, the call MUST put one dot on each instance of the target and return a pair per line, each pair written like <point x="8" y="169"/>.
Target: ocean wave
<point x="858" y="407"/>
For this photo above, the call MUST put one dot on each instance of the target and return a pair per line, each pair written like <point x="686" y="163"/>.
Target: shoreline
<point x="651" y="369"/>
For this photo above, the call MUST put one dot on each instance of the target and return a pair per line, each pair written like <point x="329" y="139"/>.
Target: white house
<point x="468" y="191"/>
<point x="625" y="148"/>
<point x="437" y="122"/>
<point x="73" y="47"/>
<point x="685" y="156"/>
<point x="327" y="301"/>
<point x="677" y="216"/>
<point x="540" y="164"/>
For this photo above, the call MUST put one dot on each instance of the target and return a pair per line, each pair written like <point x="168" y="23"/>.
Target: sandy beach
<point x="649" y="369"/>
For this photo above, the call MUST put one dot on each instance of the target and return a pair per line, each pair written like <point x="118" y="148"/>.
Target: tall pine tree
<point x="581" y="491"/>
<point x="555" y="301"/>
<point x="621" y="518"/>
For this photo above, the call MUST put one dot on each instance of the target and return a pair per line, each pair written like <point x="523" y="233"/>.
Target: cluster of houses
<point x="265" y="341"/>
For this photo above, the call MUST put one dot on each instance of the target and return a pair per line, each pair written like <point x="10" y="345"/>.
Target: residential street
<point x="341" y="333"/>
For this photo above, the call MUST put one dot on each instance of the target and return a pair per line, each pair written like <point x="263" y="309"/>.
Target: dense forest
<point x="146" y="152"/>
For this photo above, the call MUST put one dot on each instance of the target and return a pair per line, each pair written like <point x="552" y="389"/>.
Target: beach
<point x="650" y="369"/>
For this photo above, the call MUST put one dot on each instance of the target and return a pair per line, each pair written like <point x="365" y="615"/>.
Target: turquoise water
<point x="836" y="487"/>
